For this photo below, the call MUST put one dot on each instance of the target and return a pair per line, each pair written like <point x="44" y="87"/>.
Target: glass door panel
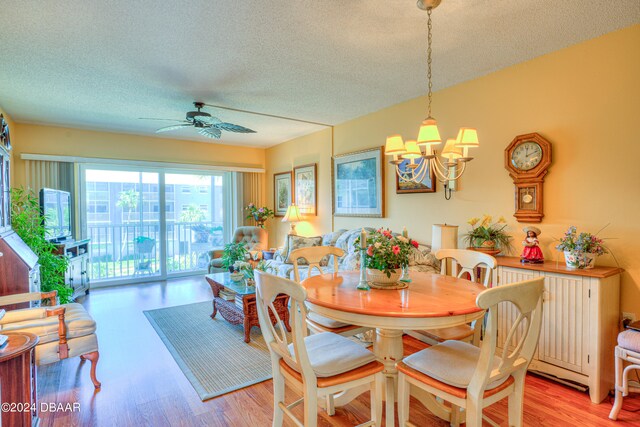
<point x="194" y="214"/>
<point x="122" y="219"/>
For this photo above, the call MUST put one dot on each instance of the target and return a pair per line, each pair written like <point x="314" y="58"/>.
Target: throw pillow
<point x="296" y="242"/>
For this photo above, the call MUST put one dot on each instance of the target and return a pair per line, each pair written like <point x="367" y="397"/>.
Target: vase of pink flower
<point x="581" y="250"/>
<point x="259" y="215"/>
<point x="386" y="253"/>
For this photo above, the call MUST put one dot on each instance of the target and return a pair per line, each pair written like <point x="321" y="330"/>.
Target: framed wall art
<point x="306" y="191"/>
<point x="427" y="185"/>
<point x="282" y="192"/>
<point x="358" y="184"/>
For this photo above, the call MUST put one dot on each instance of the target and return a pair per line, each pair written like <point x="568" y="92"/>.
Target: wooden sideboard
<point x="18" y="381"/>
<point x="580" y="323"/>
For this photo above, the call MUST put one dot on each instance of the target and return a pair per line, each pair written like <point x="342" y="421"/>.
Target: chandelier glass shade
<point x="421" y="154"/>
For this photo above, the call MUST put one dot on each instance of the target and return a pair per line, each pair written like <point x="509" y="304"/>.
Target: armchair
<point x="65" y="330"/>
<point x="254" y="237"/>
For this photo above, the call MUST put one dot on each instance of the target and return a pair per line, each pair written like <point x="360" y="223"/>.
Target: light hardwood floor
<point x="143" y="386"/>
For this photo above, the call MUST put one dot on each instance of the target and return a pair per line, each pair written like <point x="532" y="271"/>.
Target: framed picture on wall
<point x="358" y="184"/>
<point x="282" y="192"/>
<point x="306" y="192"/>
<point x="427" y="185"/>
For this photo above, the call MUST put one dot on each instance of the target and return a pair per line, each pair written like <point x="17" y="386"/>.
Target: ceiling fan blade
<point x="210" y="132"/>
<point x="164" y="120"/>
<point x="233" y="128"/>
<point x="208" y="120"/>
<point x="174" y="127"/>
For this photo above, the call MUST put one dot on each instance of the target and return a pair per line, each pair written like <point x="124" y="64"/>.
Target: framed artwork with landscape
<point x="282" y="192"/>
<point x="358" y="184"/>
<point x="306" y="192"/>
<point x="427" y="185"/>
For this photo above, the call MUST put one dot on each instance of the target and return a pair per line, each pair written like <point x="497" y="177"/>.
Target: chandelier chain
<point x="429" y="55"/>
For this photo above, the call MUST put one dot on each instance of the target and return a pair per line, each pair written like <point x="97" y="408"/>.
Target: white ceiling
<point x="102" y="64"/>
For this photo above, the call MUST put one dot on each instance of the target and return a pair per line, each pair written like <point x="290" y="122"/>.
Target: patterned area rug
<point x="211" y="352"/>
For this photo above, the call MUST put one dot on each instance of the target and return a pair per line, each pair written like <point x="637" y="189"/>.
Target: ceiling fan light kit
<point x="455" y="154"/>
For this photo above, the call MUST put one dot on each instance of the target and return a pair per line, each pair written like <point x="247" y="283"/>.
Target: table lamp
<point x="292" y="216"/>
<point x="444" y="236"/>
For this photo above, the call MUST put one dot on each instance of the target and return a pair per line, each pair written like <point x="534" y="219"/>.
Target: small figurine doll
<point x="531" y="253"/>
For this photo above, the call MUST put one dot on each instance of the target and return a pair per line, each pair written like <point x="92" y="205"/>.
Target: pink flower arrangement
<point x="386" y="251"/>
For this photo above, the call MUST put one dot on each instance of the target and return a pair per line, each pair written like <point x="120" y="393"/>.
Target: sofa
<point x="421" y="258"/>
<point x="255" y="239"/>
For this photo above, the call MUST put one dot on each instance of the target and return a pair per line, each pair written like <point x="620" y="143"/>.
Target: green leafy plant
<point x="484" y="232"/>
<point x="26" y="221"/>
<point x="386" y="251"/>
<point x="263" y="265"/>
<point x="233" y="252"/>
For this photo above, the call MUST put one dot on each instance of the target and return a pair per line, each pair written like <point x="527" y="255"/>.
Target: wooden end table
<point x="18" y="380"/>
<point x="242" y="310"/>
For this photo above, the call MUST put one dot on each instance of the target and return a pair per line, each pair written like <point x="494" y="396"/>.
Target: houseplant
<point x="385" y="254"/>
<point x="488" y="235"/>
<point x="233" y="252"/>
<point x="248" y="271"/>
<point x="259" y="215"/>
<point x="581" y="250"/>
<point x="26" y="221"/>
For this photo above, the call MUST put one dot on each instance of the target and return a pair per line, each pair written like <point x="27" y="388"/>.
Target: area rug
<point x="211" y="352"/>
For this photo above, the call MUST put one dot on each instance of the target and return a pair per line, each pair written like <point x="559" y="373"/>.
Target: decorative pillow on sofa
<point x="422" y="256"/>
<point x="297" y="242"/>
<point x="330" y="239"/>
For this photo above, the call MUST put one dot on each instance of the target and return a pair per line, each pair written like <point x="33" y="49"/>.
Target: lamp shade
<point x="467" y="137"/>
<point x="444" y="236"/>
<point x="394" y="145"/>
<point x="450" y="150"/>
<point x="412" y="151"/>
<point x="429" y="134"/>
<point x="292" y="215"/>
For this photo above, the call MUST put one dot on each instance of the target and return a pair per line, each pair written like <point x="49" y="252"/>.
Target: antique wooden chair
<point x="473" y="378"/>
<point x="318" y="365"/>
<point x="65" y="330"/>
<point x="462" y="263"/>
<point x="314" y="255"/>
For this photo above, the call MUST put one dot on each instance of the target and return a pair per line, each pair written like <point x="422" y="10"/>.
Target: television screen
<point x="56" y="212"/>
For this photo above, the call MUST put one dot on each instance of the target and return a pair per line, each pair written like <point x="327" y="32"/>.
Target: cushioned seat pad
<point x="629" y="340"/>
<point x="325" y="321"/>
<point x="331" y="354"/>
<point x="451" y="362"/>
<point x="78" y="322"/>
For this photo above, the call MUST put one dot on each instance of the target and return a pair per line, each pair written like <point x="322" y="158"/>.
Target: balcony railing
<point x="130" y="250"/>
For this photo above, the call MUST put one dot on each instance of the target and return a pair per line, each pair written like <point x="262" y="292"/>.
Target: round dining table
<point x="431" y="301"/>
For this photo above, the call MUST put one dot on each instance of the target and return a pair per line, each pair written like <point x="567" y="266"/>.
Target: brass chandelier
<point x="412" y="164"/>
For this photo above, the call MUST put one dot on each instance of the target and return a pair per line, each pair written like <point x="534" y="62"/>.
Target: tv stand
<point x="77" y="274"/>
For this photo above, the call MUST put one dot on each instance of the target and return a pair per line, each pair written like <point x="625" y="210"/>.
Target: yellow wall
<point x="314" y="148"/>
<point x="584" y="99"/>
<point x="36" y="139"/>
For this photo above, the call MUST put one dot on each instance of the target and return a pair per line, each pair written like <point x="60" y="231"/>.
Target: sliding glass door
<point x="149" y="224"/>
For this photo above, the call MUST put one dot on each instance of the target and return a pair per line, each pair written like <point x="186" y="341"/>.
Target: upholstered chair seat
<point x="66" y="330"/>
<point x="452" y="363"/>
<point x="627" y="351"/>
<point x="325" y="321"/>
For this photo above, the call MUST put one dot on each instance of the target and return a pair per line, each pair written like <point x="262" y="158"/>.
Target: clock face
<point x="526" y="156"/>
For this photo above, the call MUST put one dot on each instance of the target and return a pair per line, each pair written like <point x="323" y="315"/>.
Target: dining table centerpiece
<point x="385" y="253"/>
<point x="488" y="236"/>
<point x="581" y="250"/>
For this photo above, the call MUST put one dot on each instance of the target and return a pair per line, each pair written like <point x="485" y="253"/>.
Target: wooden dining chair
<point x="314" y="256"/>
<point x="318" y="365"/>
<point x="473" y="378"/>
<point x="462" y="263"/>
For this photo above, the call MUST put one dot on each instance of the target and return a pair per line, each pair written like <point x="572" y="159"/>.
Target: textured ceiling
<point x="102" y="64"/>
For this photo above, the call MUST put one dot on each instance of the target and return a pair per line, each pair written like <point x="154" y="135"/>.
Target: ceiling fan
<point x="204" y="122"/>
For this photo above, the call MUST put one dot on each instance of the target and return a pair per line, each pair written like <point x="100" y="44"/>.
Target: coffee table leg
<point x="388" y="348"/>
<point x="247" y="330"/>
<point x="215" y="310"/>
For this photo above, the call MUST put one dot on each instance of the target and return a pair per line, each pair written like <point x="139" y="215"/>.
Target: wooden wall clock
<point x="527" y="159"/>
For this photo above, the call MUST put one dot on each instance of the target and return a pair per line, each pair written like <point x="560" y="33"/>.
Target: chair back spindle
<point x="314" y="256"/>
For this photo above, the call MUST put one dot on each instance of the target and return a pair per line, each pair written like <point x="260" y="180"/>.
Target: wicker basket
<point x="380" y="278"/>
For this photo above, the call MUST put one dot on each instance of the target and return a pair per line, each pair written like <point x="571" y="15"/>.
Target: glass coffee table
<point x="236" y="302"/>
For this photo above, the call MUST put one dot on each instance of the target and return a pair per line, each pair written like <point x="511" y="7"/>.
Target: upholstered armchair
<point x="254" y="237"/>
<point x="65" y="330"/>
